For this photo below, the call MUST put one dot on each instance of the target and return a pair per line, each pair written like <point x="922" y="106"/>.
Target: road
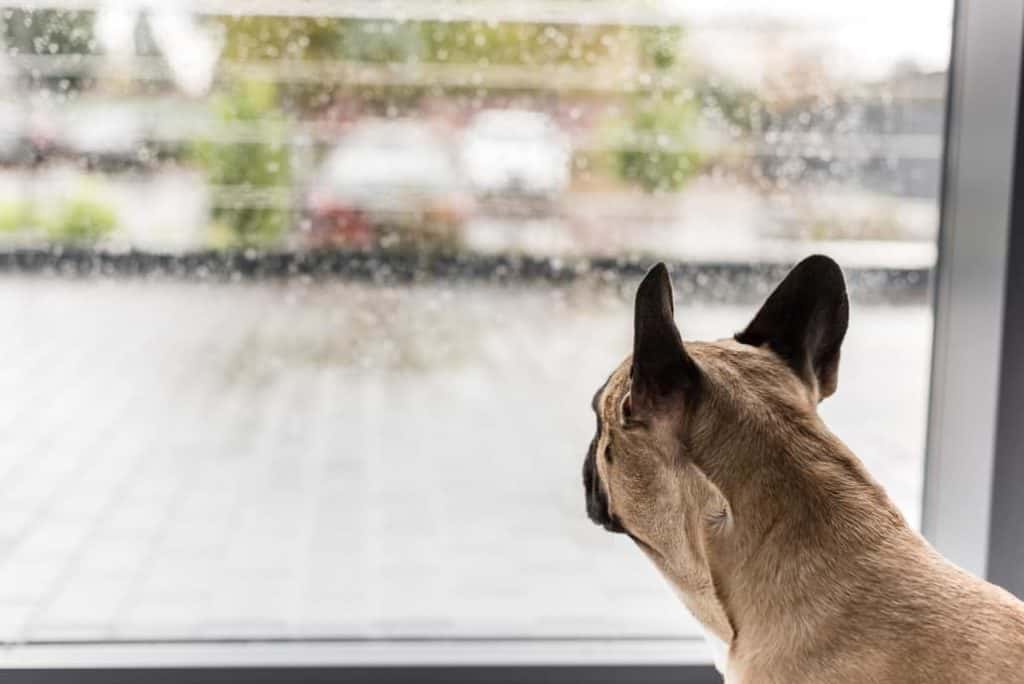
<point x="196" y="461"/>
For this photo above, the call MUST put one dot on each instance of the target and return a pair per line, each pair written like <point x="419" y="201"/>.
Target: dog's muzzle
<point x="597" y="501"/>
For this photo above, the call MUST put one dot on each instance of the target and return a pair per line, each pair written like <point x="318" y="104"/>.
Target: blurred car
<point x="105" y="134"/>
<point x="388" y="182"/>
<point x="516" y="153"/>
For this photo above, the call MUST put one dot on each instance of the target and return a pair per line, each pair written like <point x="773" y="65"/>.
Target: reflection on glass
<point x="305" y="311"/>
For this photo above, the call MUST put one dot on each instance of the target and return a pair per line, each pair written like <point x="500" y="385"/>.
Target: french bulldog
<point x="712" y="458"/>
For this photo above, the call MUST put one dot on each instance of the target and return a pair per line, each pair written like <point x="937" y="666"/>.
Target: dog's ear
<point x="661" y="367"/>
<point x="804" y="321"/>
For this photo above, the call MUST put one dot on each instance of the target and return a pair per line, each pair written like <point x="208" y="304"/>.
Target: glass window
<point x="304" y="303"/>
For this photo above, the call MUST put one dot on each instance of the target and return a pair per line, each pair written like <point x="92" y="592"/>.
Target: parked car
<point x="105" y="134"/>
<point x="517" y="154"/>
<point x="385" y="183"/>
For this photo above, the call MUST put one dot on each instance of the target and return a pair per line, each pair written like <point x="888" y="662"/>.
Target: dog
<point x="712" y="458"/>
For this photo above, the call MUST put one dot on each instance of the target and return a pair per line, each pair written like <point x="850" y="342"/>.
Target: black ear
<point x="804" y="321"/>
<point x="661" y="366"/>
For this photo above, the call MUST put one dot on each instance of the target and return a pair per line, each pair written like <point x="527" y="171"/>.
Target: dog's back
<point x="916" y="619"/>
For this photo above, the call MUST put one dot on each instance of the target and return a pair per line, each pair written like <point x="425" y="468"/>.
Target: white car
<point x="388" y="175"/>
<point x="516" y="153"/>
<point x="104" y="133"/>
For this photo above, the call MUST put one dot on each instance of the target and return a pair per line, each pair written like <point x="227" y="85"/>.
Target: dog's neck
<point x="807" y="520"/>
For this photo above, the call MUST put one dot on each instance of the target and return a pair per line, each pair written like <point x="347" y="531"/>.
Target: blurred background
<point x="305" y="302"/>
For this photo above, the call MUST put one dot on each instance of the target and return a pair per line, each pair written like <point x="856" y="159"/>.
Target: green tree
<point x="654" y="143"/>
<point x="248" y="171"/>
<point x="655" y="149"/>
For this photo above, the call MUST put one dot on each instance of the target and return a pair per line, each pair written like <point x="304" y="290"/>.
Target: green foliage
<point x="248" y="38"/>
<point x="531" y="44"/>
<point x="654" y="148"/>
<point x="463" y="42"/>
<point x="82" y="219"/>
<point x="16" y="215"/>
<point x="659" y="46"/>
<point x="246" y="168"/>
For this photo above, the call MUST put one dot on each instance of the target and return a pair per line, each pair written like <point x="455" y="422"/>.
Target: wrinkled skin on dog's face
<point x="668" y="420"/>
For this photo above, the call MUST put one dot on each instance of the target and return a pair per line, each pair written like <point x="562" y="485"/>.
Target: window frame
<point x="1006" y="549"/>
<point x="970" y="288"/>
<point x="490" y="674"/>
<point x="587" y="661"/>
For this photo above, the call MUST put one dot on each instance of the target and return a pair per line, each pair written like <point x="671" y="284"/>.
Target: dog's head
<point x="675" y="417"/>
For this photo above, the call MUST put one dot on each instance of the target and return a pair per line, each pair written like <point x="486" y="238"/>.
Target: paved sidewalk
<point x="260" y="460"/>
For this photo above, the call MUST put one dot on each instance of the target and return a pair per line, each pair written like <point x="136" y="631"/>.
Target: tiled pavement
<point x="187" y="461"/>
